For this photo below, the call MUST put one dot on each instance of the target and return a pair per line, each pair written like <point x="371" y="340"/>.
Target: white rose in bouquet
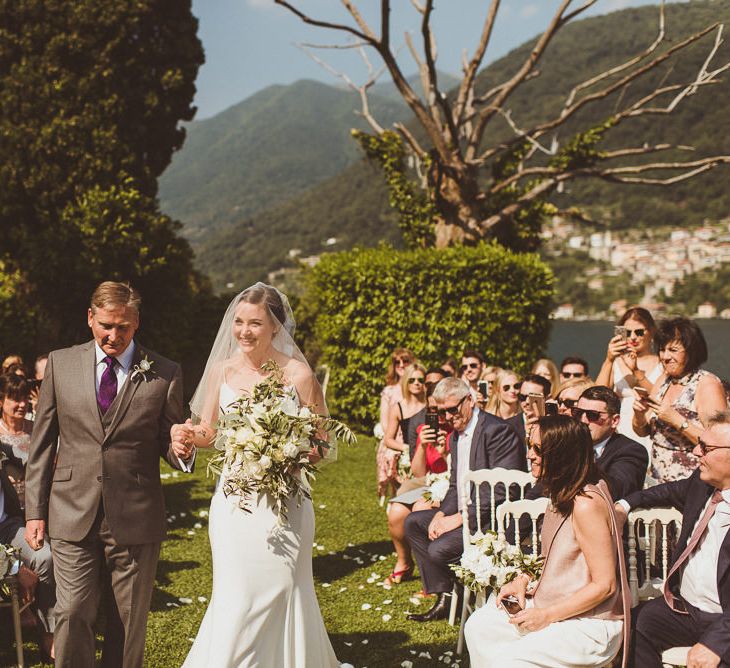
<point x="265" y="462"/>
<point x="439" y="489"/>
<point x="304" y="412"/>
<point x="243" y="434"/>
<point x="291" y="451"/>
<point x="289" y="407"/>
<point x="256" y="470"/>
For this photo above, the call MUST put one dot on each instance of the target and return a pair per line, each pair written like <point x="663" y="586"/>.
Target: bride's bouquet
<point x="493" y="562"/>
<point x="265" y="440"/>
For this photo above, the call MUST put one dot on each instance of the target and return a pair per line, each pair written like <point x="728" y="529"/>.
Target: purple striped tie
<point x="107" y="386"/>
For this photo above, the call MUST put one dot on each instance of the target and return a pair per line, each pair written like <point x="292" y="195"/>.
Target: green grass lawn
<point x="352" y="555"/>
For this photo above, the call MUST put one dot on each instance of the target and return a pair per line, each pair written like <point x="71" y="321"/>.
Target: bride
<point x="263" y="610"/>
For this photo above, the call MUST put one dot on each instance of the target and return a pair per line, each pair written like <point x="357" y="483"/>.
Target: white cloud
<point x="530" y="10"/>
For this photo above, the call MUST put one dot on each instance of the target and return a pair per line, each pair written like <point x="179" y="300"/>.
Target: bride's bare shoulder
<point x="296" y="371"/>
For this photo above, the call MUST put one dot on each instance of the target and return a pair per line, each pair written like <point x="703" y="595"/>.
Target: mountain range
<point x="278" y="175"/>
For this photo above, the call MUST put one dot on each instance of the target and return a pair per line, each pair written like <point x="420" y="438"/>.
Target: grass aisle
<point x="367" y="624"/>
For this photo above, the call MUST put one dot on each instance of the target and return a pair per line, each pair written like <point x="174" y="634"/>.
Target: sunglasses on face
<point x="535" y="447"/>
<point x="443" y="412"/>
<point x="636" y="332"/>
<point x="591" y="415"/>
<point x="415" y="379"/>
<point x="507" y="388"/>
<point x="572" y="374"/>
<point x="471" y="365"/>
<point x="567" y="403"/>
<point x="706" y="447"/>
<point x="524" y="397"/>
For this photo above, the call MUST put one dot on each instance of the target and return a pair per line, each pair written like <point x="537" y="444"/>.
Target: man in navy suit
<point x="695" y="609"/>
<point x="479" y="441"/>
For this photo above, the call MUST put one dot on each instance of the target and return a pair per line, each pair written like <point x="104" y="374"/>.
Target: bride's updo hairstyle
<point x="264" y="294"/>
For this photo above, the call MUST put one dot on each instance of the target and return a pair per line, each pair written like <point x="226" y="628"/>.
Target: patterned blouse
<point x="671" y="450"/>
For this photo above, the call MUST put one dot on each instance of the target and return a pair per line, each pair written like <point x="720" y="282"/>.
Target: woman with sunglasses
<point x="573" y="615"/>
<point x="569" y="393"/>
<point x="680" y="404"/>
<point x="631" y="362"/>
<point x="413" y="390"/>
<point x="504" y="401"/>
<point x="385" y="458"/>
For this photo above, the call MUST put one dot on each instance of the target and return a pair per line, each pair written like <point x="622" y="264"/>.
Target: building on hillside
<point x="707" y="310"/>
<point x="564" y="312"/>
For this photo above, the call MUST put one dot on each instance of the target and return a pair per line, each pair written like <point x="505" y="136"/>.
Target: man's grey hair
<point x="450" y="388"/>
<point x="720" y="417"/>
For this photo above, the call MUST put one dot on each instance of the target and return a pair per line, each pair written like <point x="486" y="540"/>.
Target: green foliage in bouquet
<point x="366" y="302"/>
<point x="265" y="442"/>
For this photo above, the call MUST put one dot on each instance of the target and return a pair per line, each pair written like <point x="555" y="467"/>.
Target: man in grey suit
<point x="479" y="441"/>
<point x="93" y="477"/>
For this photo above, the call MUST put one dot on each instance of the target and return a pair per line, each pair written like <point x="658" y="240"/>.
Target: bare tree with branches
<point x="476" y="189"/>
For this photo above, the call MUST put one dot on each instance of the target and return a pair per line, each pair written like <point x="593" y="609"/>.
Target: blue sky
<point x="251" y="44"/>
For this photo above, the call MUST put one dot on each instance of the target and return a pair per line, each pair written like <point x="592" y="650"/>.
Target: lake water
<point x="588" y="339"/>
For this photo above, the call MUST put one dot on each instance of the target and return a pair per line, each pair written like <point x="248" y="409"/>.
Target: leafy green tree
<point x="92" y="93"/>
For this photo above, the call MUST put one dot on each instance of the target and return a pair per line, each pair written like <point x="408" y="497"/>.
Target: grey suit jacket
<point x="114" y="459"/>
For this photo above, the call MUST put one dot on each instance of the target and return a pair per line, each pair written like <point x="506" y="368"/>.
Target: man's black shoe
<point x="440" y="610"/>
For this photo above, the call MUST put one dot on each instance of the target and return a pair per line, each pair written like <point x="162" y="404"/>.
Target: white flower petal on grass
<point x="346" y="665"/>
<point x="202" y="599"/>
<point x="406" y="664"/>
<point x="365" y="606"/>
<point x="191" y="533"/>
<point x="322" y="506"/>
<point x="424" y="655"/>
<point x="342" y="589"/>
<point x="183" y="514"/>
<point x="414" y="600"/>
<point x="381" y="557"/>
<point x="387" y="617"/>
<point x="387" y="601"/>
<point x="326" y="584"/>
<point x="185" y="600"/>
<point x="203" y="513"/>
<point x="197" y="525"/>
<point x="361" y="587"/>
<point x="387" y="586"/>
<point x="365" y="642"/>
<point x="349" y="644"/>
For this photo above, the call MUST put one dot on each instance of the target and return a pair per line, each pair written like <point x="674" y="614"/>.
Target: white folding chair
<point x="646" y="527"/>
<point x="492" y="477"/>
<point x="514" y="510"/>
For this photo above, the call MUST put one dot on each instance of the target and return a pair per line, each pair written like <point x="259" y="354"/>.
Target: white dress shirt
<point x="699" y="578"/>
<point x="121" y="369"/>
<point x="463" y="449"/>
<point x="599" y="447"/>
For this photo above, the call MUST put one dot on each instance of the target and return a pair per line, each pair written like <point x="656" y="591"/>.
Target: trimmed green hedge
<point x="365" y="302"/>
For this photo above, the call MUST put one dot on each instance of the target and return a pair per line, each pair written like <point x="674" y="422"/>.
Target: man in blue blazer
<point x="695" y="609"/>
<point x="479" y="441"/>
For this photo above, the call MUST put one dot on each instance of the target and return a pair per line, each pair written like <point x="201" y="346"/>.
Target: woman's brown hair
<point x="391" y="377"/>
<point x="568" y="463"/>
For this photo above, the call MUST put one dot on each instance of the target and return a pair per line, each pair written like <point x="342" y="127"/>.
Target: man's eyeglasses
<point x="471" y="365"/>
<point x="706" y="447"/>
<point x="572" y="374"/>
<point x="415" y="379"/>
<point x="523" y="397"/>
<point x="591" y="415"/>
<point x="507" y="388"/>
<point x="638" y="332"/>
<point x="443" y="412"/>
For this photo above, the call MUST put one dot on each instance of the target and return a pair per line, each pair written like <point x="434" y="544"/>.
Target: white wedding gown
<point x="263" y="611"/>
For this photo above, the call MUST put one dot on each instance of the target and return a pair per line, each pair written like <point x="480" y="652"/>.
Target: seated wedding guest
<point x="680" y="403"/>
<point x="504" y="401"/>
<point x="11" y="360"/>
<point x="430" y="456"/>
<point x="433" y="376"/>
<point x="573" y="367"/>
<point x="574" y="614"/>
<point x="15" y="429"/>
<point x="532" y="386"/>
<point x="547" y="369"/>
<point x="413" y="390"/>
<point x="12" y="532"/>
<point x="623" y="461"/>
<point x="631" y="362"/>
<point x="16" y="370"/>
<point x="569" y="392"/>
<point x="695" y="608"/>
<point x="450" y="367"/>
<point x="387" y="459"/>
<point x="472" y="366"/>
<point x="479" y="441"/>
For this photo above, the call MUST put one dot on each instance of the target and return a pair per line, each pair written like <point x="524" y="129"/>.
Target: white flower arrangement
<point x="438" y="486"/>
<point x="493" y="562"/>
<point x="9" y="563"/>
<point x="143" y="368"/>
<point x="264" y="442"/>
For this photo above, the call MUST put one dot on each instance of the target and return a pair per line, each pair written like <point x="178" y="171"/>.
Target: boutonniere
<point x="143" y="368"/>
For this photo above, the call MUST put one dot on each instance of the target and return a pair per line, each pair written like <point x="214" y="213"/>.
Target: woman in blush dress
<point x="577" y="612"/>
<point x="263" y="611"/>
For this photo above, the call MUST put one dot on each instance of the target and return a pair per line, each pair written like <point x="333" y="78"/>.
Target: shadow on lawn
<point x="386" y="649"/>
<point x="351" y="559"/>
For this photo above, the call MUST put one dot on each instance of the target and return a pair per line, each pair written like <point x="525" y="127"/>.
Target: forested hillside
<point x="351" y="205"/>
